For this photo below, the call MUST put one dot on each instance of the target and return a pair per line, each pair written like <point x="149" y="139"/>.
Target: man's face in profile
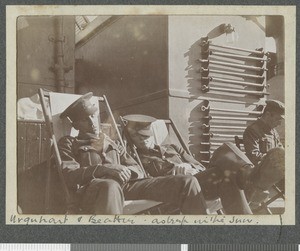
<point x="88" y="124"/>
<point x="141" y="141"/>
<point x="274" y="119"/>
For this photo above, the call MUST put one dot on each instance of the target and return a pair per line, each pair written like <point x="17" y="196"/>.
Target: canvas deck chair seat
<point x="53" y="105"/>
<point x="162" y="130"/>
<point x="275" y="197"/>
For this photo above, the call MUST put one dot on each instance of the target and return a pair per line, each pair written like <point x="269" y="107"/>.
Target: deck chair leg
<point x="220" y="212"/>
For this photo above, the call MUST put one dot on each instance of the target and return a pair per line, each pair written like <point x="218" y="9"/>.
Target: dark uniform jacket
<point x="259" y="138"/>
<point x="160" y="160"/>
<point x="84" y="160"/>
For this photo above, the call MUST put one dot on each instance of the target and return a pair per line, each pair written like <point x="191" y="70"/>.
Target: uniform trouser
<point x="270" y="170"/>
<point x="105" y="196"/>
<point x="181" y="190"/>
<point x="267" y="173"/>
<point x="102" y="196"/>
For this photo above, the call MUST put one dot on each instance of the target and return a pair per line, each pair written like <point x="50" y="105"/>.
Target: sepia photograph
<point x="152" y="118"/>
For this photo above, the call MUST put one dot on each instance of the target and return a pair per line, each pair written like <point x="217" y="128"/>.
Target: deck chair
<point x="55" y="103"/>
<point x="276" y="192"/>
<point x="162" y="130"/>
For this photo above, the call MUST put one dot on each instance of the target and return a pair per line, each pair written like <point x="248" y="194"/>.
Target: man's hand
<point x="117" y="172"/>
<point x="200" y="168"/>
<point x="183" y="168"/>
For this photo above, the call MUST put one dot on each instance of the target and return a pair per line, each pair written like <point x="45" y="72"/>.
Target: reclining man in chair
<point x="263" y="146"/>
<point x="230" y="172"/>
<point x="104" y="174"/>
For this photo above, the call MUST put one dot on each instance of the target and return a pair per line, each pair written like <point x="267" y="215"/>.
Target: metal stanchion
<point x="229" y="55"/>
<point x="218" y="135"/>
<point x="237" y="74"/>
<point x="206" y="88"/>
<point x="206" y="108"/>
<point x="239" y="66"/>
<point x="230" y="118"/>
<point x="230" y="81"/>
<point x="238" y="49"/>
<point x="205" y="126"/>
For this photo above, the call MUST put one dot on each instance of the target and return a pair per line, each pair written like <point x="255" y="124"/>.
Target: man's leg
<point x="233" y="199"/>
<point x="103" y="196"/>
<point x="270" y="170"/>
<point x="181" y="190"/>
<point x="214" y="185"/>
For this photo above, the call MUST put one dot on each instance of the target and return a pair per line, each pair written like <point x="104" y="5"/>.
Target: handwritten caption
<point x="132" y="220"/>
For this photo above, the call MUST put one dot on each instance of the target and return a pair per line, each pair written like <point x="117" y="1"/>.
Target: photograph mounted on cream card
<point x="170" y="119"/>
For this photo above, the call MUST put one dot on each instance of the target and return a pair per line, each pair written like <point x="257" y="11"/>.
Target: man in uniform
<point x="229" y="175"/>
<point x="104" y="174"/>
<point x="263" y="146"/>
<point x="261" y="136"/>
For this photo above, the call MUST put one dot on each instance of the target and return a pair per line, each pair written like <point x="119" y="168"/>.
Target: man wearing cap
<point x="263" y="146"/>
<point x="261" y="136"/>
<point x="229" y="175"/>
<point x="103" y="174"/>
<point x="167" y="159"/>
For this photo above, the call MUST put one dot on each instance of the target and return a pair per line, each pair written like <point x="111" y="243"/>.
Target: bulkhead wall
<point x="150" y="65"/>
<point x="41" y="40"/>
<point x="127" y="60"/>
<point x="187" y="99"/>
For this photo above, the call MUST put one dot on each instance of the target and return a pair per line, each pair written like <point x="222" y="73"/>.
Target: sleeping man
<point x="101" y="175"/>
<point x="230" y="173"/>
